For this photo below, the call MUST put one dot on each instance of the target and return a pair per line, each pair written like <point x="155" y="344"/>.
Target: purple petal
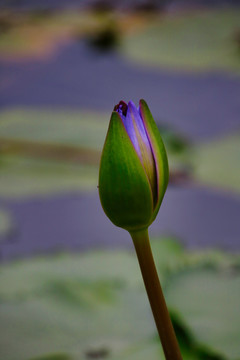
<point x="128" y="121"/>
<point x="139" y="122"/>
<point x="138" y="127"/>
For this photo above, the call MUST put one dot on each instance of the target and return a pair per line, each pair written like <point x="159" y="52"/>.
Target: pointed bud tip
<point x="121" y="108"/>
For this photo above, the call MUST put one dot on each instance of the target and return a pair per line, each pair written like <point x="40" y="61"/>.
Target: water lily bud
<point x="134" y="172"/>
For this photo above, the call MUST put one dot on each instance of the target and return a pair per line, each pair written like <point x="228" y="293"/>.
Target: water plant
<point x="133" y="178"/>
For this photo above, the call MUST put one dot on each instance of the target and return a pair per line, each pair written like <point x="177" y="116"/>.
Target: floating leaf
<point x="207" y="301"/>
<point x="171" y="41"/>
<point x="94" y="303"/>
<point x="217" y="162"/>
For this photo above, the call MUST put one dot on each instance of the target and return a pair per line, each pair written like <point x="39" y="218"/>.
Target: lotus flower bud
<point x="134" y="172"/>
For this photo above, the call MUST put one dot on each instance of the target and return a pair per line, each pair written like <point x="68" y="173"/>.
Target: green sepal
<point x="124" y="189"/>
<point x="159" y="153"/>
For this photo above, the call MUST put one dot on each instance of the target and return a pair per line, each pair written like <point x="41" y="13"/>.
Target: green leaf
<point x="207" y="302"/>
<point x="199" y="40"/>
<point x="80" y="128"/>
<point x="216" y="163"/>
<point x="80" y="305"/>
<point x="22" y="176"/>
<point x="74" y="304"/>
<point x="52" y="357"/>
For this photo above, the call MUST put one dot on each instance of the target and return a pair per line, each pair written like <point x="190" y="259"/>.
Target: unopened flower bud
<point x="134" y="172"/>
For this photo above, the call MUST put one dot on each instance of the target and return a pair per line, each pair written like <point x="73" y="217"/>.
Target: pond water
<point x="66" y="4"/>
<point x="200" y="218"/>
<point x="198" y="105"/>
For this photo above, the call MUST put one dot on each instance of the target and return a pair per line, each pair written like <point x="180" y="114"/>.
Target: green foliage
<point x="211" y="313"/>
<point x="80" y="128"/>
<point x="195" y="41"/>
<point x="216" y="163"/>
<point x="176" y="143"/>
<point x="26" y="171"/>
<point x="94" y="304"/>
<point x="52" y="357"/>
<point x="23" y="176"/>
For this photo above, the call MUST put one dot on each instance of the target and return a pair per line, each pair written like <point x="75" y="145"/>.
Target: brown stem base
<point x="155" y="295"/>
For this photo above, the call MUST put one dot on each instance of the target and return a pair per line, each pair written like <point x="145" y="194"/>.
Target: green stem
<point x="155" y="295"/>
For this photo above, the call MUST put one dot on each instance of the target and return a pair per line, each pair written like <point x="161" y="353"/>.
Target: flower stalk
<point x="155" y="295"/>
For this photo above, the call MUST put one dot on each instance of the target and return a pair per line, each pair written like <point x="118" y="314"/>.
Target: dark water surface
<point x="198" y="105"/>
<point x="75" y="4"/>
<point x="199" y="217"/>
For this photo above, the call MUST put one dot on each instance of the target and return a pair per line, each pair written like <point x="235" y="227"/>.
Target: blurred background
<point x="70" y="284"/>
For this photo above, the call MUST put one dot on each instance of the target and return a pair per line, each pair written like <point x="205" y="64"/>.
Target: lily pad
<point x="94" y="304"/>
<point x="24" y="176"/>
<point x="53" y="357"/>
<point x="207" y="301"/>
<point x="193" y="41"/>
<point x="75" y="304"/>
<point x="80" y="128"/>
<point x="216" y="163"/>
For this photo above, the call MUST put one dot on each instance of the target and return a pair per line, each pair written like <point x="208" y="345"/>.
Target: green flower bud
<point x="133" y="174"/>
